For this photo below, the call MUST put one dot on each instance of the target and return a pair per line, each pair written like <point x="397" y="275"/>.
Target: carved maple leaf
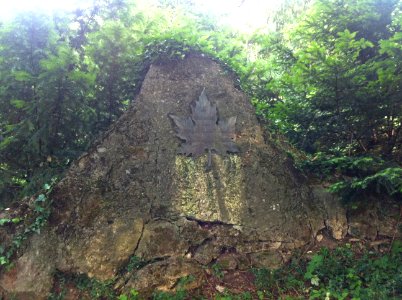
<point x="202" y="131"/>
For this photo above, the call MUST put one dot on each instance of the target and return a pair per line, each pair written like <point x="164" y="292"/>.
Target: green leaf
<point x="18" y="103"/>
<point x="39" y="209"/>
<point x="3" y="260"/>
<point x="315" y="280"/>
<point x="16" y="220"/>
<point x="41" y="198"/>
<point x="22" y="75"/>
<point x="6" y="142"/>
<point x="4" y="221"/>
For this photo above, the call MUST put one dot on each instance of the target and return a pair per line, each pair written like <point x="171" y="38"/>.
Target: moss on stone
<point x="219" y="191"/>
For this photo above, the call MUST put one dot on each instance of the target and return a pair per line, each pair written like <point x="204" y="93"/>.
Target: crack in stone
<point x="140" y="238"/>
<point x="194" y="248"/>
<point x="203" y="223"/>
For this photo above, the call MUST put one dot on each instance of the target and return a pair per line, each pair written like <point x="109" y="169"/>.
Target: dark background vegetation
<point x="325" y="76"/>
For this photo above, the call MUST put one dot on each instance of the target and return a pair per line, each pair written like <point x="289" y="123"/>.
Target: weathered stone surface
<point x="375" y="219"/>
<point x="333" y="211"/>
<point x="131" y="194"/>
<point x="103" y="250"/>
<point x="161" y="239"/>
<point x="31" y="276"/>
<point x="165" y="275"/>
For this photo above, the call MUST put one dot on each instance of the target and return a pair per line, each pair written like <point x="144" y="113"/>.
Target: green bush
<point x="355" y="177"/>
<point x="336" y="274"/>
<point x="341" y="274"/>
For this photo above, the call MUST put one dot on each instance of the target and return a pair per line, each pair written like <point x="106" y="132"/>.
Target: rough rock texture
<point x="334" y="214"/>
<point x="376" y="220"/>
<point x="133" y="195"/>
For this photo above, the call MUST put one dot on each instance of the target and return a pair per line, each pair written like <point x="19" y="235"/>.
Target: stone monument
<point x="187" y="177"/>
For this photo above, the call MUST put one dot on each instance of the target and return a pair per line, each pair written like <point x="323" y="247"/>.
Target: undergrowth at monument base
<point x="351" y="271"/>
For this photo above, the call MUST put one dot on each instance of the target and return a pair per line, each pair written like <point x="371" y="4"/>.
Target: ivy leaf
<point x="4" y="221"/>
<point x="41" y="198"/>
<point x="202" y="131"/>
<point x="315" y="280"/>
<point x="3" y="260"/>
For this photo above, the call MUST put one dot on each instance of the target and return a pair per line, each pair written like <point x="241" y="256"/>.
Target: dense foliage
<point x="336" y="274"/>
<point x="328" y="78"/>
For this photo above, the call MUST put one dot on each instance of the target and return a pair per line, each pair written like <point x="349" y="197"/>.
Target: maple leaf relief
<point x="203" y="132"/>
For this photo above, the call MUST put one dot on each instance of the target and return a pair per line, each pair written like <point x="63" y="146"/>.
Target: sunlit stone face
<point x="217" y="195"/>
